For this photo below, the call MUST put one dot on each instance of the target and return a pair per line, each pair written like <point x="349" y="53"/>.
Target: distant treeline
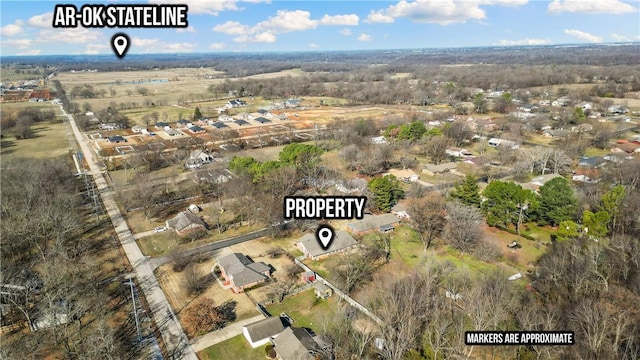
<point x="244" y="64"/>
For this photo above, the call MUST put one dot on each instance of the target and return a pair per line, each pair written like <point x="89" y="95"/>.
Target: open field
<point x="232" y="349"/>
<point x="50" y="141"/>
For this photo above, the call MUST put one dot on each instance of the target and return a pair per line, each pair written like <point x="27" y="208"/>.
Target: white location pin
<point x="120" y="44"/>
<point x="325" y="235"/>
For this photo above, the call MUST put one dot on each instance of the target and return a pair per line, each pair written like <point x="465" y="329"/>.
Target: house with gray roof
<point x="186" y="222"/>
<point x="262" y="332"/>
<point x="433" y="170"/>
<point x="382" y="223"/>
<point x="299" y="344"/>
<point x="240" y="272"/>
<point x="310" y="246"/>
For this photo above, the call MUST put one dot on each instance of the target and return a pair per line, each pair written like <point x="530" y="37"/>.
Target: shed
<point x="322" y="291"/>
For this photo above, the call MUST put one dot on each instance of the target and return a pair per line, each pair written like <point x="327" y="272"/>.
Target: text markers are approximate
<point x="121" y="16"/>
<point x="324" y="207"/>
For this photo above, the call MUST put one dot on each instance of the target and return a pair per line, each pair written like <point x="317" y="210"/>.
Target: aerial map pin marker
<point x="325" y="235"/>
<point x="120" y="43"/>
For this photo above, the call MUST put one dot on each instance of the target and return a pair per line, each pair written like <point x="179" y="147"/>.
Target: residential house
<point x="495" y="142"/>
<point x="263" y="112"/>
<point x="617" y="110"/>
<point x="162" y="125"/>
<point x="196" y="129"/>
<point x="406" y="175"/>
<point x="109" y="126"/>
<point x="557" y="133"/>
<point x="477" y="161"/>
<point x="593" y="162"/>
<point x="262" y="332"/>
<point x="236" y="103"/>
<point x="197" y="158"/>
<point x="213" y="176"/>
<point x="241" y="273"/>
<point x="173" y="132"/>
<point x="543" y="179"/>
<point x="139" y="129"/>
<point x="401" y="210"/>
<point x="241" y="122"/>
<point x="321" y="290"/>
<point x="584" y="106"/>
<point x="457" y="152"/>
<point x="310" y="246"/>
<point x="435" y="170"/>
<point x="185" y="123"/>
<point x="627" y="147"/>
<point x="225" y="118"/>
<point x="262" y="120"/>
<point x="219" y="125"/>
<point x="292" y="103"/>
<point x="186" y="222"/>
<point x="381" y="223"/>
<point x="299" y="344"/>
<point x="116" y="139"/>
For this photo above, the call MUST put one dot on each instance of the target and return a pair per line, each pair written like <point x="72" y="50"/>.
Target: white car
<point x="159" y="229"/>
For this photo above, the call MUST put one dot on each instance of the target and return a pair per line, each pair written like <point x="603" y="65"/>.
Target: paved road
<point x="175" y="339"/>
<point x="203" y="249"/>
<point x="223" y="334"/>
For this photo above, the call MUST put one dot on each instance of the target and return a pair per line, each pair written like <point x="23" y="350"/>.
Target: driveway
<point x="223" y="334"/>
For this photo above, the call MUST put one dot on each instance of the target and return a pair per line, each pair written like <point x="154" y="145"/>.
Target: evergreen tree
<point x="557" y="202"/>
<point x="386" y="191"/>
<point x="197" y="114"/>
<point x="507" y="204"/>
<point x="468" y="192"/>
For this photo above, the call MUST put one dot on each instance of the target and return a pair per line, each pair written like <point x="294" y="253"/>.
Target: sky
<point x="278" y="25"/>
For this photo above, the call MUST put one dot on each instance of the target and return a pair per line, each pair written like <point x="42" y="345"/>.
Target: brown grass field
<point x="50" y="141"/>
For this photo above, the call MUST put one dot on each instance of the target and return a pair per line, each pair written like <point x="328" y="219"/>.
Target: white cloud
<point x="203" y="7"/>
<point x="189" y="29"/>
<point x="364" y="37"/>
<point x="287" y="21"/>
<point x="590" y="7"/>
<point x="11" y="30"/>
<point x="618" y="37"/>
<point x="443" y="12"/>
<point x="216" y="46"/>
<point x="30" y="52"/>
<point x="97" y="49"/>
<point x="379" y="17"/>
<point x="346" y="32"/>
<point x="145" y="45"/>
<point x="232" y="28"/>
<point x="17" y="43"/>
<point x="69" y="36"/>
<point x="584" y="36"/>
<point x="526" y="41"/>
<point x="42" y="21"/>
<point x="314" y="46"/>
<point x="264" y="37"/>
<point x="351" y="19"/>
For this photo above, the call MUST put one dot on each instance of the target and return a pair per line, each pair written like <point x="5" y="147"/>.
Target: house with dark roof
<point x="219" y="125"/>
<point x="381" y="223"/>
<point x="186" y="222"/>
<point x="592" y="162"/>
<point x="299" y="344"/>
<point x="241" y="122"/>
<point x="236" y="103"/>
<point x="240" y="272"/>
<point x="196" y="129"/>
<point x="116" y="139"/>
<point x="185" y="123"/>
<point x="292" y="103"/>
<point x="309" y="245"/>
<point x="262" y="332"/>
<point x="262" y="120"/>
<point x="162" y="125"/>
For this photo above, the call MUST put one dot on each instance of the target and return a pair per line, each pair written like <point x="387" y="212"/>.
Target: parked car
<point x="159" y="229"/>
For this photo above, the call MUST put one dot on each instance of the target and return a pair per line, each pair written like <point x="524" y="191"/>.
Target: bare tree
<point x="428" y="217"/>
<point x="195" y="281"/>
<point x="463" y="225"/>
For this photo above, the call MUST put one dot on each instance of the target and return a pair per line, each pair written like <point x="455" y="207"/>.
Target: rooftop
<point x="342" y="240"/>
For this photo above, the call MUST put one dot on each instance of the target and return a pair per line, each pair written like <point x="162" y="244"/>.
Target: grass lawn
<point x="50" y="141"/>
<point x="303" y="308"/>
<point x="405" y="246"/>
<point x="592" y="151"/>
<point x="235" y="348"/>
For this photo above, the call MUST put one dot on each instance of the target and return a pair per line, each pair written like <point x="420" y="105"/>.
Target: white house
<point x="495" y="142"/>
<point x="262" y="332"/>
